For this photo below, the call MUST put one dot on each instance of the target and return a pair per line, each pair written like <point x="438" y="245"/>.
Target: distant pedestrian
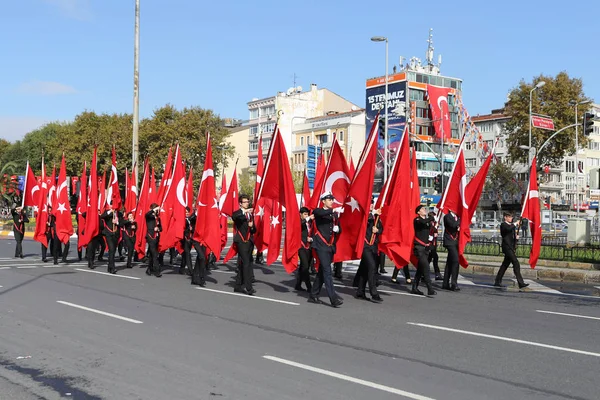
<point x="510" y="235"/>
<point x="19" y="220"/>
<point x="524" y="226"/>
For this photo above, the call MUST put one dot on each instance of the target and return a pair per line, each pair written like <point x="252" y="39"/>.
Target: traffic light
<point x="382" y="127"/>
<point x="437" y="183"/>
<point x="588" y="123"/>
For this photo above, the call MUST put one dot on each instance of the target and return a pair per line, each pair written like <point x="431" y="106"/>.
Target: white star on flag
<point x="275" y="220"/>
<point x="216" y="205"/>
<point x="261" y="211"/>
<point x="61" y="208"/>
<point x="353" y="204"/>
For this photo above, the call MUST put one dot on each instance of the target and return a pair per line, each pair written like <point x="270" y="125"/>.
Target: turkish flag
<point x="82" y="205"/>
<point x="64" y="224"/>
<point x="174" y="203"/>
<point x="31" y="189"/>
<point x="42" y="214"/>
<point x="51" y="182"/>
<point x="143" y="206"/>
<point x="189" y="189"/>
<point x="454" y="196"/>
<point x="397" y="212"/>
<point x="335" y="179"/>
<point x="416" y="200"/>
<point x="305" y="191"/>
<point x="230" y="204"/>
<point x="114" y="194"/>
<point x="353" y="221"/>
<point x="102" y="192"/>
<point x="223" y="217"/>
<point x="92" y="222"/>
<point x="207" y="223"/>
<point x="277" y="184"/>
<point x="438" y="102"/>
<point x="352" y="168"/>
<point x="473" y="194"/>
<point x="531" y="211"/>
<point x="275" y="232"/>
<point x="131" y="190"/>
<point x="166" y="179"/>
<point x="261" y="222"/>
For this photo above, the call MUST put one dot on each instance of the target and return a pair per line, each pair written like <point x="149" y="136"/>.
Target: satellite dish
<point x="290" y="91"/>
<point x="299" y="89"/>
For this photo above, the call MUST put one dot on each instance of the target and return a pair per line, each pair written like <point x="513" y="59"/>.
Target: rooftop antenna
<point x="429" y="54"/>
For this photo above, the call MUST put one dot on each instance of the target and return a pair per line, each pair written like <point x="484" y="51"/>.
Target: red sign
<point x="542" y="122"/>
<point x="546" y="168"/>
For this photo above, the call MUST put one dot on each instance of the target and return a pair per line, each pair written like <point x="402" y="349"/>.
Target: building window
<point x="253" y="146"/>
<point x="254" y="113"/>
<point x="301" y="140"/>
<point x="321" y="139"/>
<point x="423" y="112"/>
<point x="423" y="130"/>
<point x="467" y="145"/>
<point x="254" y="130"/>
<point x="593" y="145"/>
<point x="570" y="166"/>
<point x="417" y="95"/>
<point x="267" y="128"/>
<point x="266" y="144"/>
<point x="253" y="161"/>
<point x="308" y="140"/>
<point x="426" y="182"/>
<point x="471" y="162"/>
<point x="266" y="111"/>
<point x="341" y="135"/>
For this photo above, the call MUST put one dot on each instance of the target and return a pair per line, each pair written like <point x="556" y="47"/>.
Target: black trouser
<point x="186" y="256"/>
<point x="50" y="246"/>
<point x="366" y="271"/>
<point x="433" y="256"/>
<point x="130" y="245"/>
<point x="90" y="250"/>
<point x="65" y="250"/>
<point x="405" y="270"/>
<point x="199" y="273"/>
<point x="510" y="258"/>
<point x="303" y="274"/>
<point x="244" y="275"/>
<point x="19" y="248"/>
<point x="381" y="261"/>
<point x="120" y="243"/>
<point x="102" y="247"/>
<point x="338" y="269"/>
<point x="422" y="253"/>
<point x="451" y="270"/>
<point x="325" y="256"/>
<point x="153" y="265"/>
<point x="111" y="243"/>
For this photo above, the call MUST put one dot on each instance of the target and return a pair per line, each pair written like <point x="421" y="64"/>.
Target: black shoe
<point x="23" y="257"/>
<point x="64" y="260"/>
<point x="56" y="262"/>
<point x="312" y="299"/>
<point x="361" y="296"/>
<point x="202" y="284"/>
<point x="100" y="259"/>
<point x="382" y="271"/>
<point x="158" y="275"/>
<point x="181" y="270"/>
<point x="431" y="292"/>
<point x="44" y="260"/>
<point x="498" y="284"/>
<point x="438" y="277"/>
<point x="446" y="287"/>
<point x="148" y="272"/>
<point x="417" y="291"/>
<point x="299" y="288"/>
<point x="250" y="292"/>
<point x="339" y="277"/>
<point x="239" y="290"/>
<point x="114" y="271"/>
<point x="377" y="299"/>
<point x="523" y="285"/>
<point x="455" y="288"/>
<point x="129" y="266"/>
<point x="337" y="302"/>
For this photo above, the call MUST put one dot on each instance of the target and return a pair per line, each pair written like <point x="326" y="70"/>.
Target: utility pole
<point x="136" y="90"/>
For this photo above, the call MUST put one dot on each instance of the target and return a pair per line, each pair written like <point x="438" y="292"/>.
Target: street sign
<point x="542" y="122"/>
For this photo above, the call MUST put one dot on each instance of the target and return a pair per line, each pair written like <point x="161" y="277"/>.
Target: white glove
<point x="336" y="229"/>
<point x="307" y="219"/>
<point x="338" y="210"/>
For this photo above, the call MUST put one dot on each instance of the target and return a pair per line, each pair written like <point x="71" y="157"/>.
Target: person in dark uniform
<point x="421" y="246"/>
<point x="433" y="255"/>
<point x="337" y="268"/>
<point x="243" y="222"/>
<point x="50" y="233"/>
<point x="368" y="262"/>
<point x="152" y="237"/>
<point x="198" y="269"/>
<point x="305" y="252"/>
<point x="324" y="236"/>
<point x="451" y="228"/>
<point x="110" y="231"/>
<point x="19" y="220"/>
<point x="510" y="235"/>
<point x="129" y="236"/>
<point x="406" y="273"/>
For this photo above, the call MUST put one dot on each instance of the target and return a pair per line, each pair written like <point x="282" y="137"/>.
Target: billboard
<point x="314" y="152"/>
<point x="375" y="102"/>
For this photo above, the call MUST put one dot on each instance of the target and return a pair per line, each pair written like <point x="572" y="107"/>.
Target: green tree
<point x="4" y="146"/>
<point x="555" y="99"/>
<point x="246" y="181"/>
<point x="501" y="183"/>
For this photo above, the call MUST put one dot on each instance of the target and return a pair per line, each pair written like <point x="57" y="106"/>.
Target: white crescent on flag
<point x="181" y="192"/>
<point x="333" y="178"/>
<point x="207" y="173"/>
<point x="440" y="100"/>
<point x="114" y="175"/>
<point x="463" y="186"/>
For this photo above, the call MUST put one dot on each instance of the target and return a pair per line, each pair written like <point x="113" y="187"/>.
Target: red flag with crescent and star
<point x="82" y="204"/>
<point x="531" y="211"/>
<point x="64" y="223"/>
<point x="174" y="206"/>
<point x="335" y="179"/>
<point x="31" y="189"/>
<point x="114" y="194"/>
<point x="438" y="102"/>
<point x="42" y="212"/>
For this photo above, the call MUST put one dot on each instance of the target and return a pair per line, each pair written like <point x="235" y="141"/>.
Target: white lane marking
<point x="4" y="267"/>
<point x="537" y="287"/>
<point x="106" y="273"/>
<point x="27" y="266"/>
<point x="222" y="272"/>
<point x="53" y="266"/>
<point x="349" y="378"/>
<point x="249" y="297"/>
<point x="135" y="321"/>
<point x="465" y="282"/>
<point x="568" y="315"/>
<point x="385" y="291"/>
<point x="485" y="335"/>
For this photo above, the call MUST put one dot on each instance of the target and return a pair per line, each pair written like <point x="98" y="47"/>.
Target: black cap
<point x="418" y="208"/>
<point x="304" y="210"/>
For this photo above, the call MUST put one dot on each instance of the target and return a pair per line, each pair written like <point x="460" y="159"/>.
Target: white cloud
<point x="77" y="9"/>
<point x="14" y="128"/>
<point x="45" y="88"/>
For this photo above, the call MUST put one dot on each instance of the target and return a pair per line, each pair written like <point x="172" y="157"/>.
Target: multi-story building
<point x="407" y="96"/>
<point x="287" y="109"/>
<point x="238" y="139"/>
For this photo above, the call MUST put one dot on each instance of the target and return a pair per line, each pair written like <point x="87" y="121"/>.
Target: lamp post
<point x="537" y="86"/>
<point x="385" y="140"/>
<point x="576" y="155"/>
<point x="136" y="90"/>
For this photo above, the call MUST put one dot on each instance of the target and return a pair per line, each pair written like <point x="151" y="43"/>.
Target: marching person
<point x="406" y="273"/>
<point x="368" y="262"/>
<point x="510" y="235"/>
<point x="110" y="231"/>
<point x="324" y="236"/>
<point x="421" y="244"/>
<point x="19" y="220"/>
<point x="304" y="253"/>
<point x="198" y="269"/>
<point x="433" y="255"/>
<point x="381" y="263"/>
<point x="451" y="228"/>
<point x="129" y="236"/>
<point x="243" y="221"/>
<point x="152" y="236"/>
<point x="50" y="233"/>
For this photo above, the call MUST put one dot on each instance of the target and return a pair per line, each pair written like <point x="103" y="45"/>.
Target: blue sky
<point x="61" y="57"/>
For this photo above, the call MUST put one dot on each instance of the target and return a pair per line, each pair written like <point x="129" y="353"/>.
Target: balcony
<point x="300" y="149"/>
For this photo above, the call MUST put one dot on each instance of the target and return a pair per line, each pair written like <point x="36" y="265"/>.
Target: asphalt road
<point x="67" y="332"/>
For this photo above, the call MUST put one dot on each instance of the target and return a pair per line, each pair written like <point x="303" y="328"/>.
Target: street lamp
<point x="576" y="151"/>
<point x="537" y="86"/>
<point x="385" y="140"/>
